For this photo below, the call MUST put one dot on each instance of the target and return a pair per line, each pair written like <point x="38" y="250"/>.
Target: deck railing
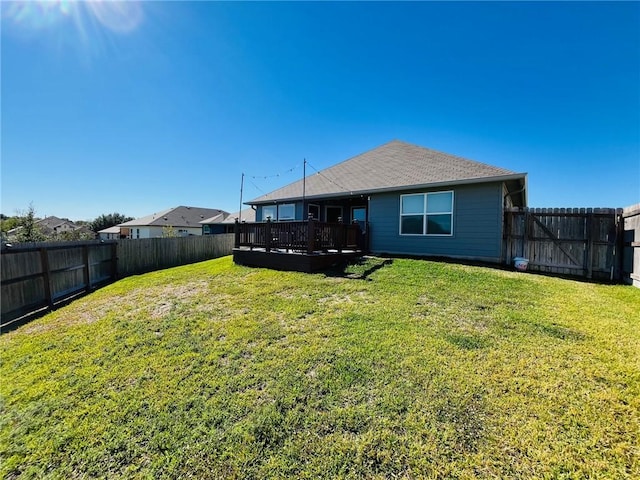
<point x="309" y="236"/>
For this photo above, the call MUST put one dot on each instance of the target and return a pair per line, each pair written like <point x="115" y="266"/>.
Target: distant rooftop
<point x="247" y="215"/>
<point x="176" y="217"/>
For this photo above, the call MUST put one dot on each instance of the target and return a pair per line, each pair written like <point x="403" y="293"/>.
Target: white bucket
<point x="521" y="263"/>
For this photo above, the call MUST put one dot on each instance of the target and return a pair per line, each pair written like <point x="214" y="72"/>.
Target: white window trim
<point x="425" y="215"/>
<point x="292" y="205"/>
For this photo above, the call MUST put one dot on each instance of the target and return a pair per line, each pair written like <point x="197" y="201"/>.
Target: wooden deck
<point x="305" y="246"/>
<point x="291" y="261"/>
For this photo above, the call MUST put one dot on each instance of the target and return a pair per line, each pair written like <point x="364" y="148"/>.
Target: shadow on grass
<point x="466" y="342"/>
<point x="358" y="269"/>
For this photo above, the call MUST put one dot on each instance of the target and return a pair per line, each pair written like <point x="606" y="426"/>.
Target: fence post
<point x="618" y="249"/>
<point x="87" y="273"/>
<point x="525" y="234"/>
<point x="588" y="268"/>
<point x="46" y="272"/>
<point x="114" y="260"/>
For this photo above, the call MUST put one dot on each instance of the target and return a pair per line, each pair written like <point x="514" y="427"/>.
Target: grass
<point x="409" y="369"/>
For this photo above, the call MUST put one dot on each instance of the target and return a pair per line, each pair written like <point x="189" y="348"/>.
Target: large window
<point x="287" y="211"/>
<point x="269" y="212"/>
<point x="426" y="214"/>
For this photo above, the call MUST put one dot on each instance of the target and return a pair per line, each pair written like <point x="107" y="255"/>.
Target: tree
<point x="9" y="223"/>
<point x="108" y="220"/>
<point x="77" y="234"/>
<point x="169" y="232"/>
<point x="30" y="232"/>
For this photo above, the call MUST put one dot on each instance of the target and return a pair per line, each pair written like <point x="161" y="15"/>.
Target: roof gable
<point x="394" y="165"/>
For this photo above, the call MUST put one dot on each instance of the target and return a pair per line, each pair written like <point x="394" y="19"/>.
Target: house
<point x="54" y="228"/>
<point x="409" y="200"/>
<point x="111" y="233"/>
<point x="224" y="223"/>
<point x="180" y="221"/>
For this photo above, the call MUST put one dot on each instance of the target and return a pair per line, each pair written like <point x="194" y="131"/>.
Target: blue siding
<point x="477" y="225"/>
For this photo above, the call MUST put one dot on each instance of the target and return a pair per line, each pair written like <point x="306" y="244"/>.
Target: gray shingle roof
<point x="176" y="217"/>
<point x="393" y="166"/>
<point x="115" y="229"/>
<point x="248" y="215"/>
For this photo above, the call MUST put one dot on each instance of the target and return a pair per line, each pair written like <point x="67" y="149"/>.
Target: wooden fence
<point x="148" y="254"/>
<point x="40" y="276"/>
<point x="631" y="253"/>
<point x="566" y="241"/>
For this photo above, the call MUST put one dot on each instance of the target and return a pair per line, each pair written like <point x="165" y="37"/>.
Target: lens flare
<point x="37" y="14"/>
<point x="120" y="17"/>
<point x="117" y="16"/>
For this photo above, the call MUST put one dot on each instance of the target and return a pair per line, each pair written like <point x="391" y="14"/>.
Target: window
<point x="269" y="212"/>
<point x="426" y="214"/>
<point x="314" y="211"/>
<point x="286" y="211"/>
<point x="359" y="214"/>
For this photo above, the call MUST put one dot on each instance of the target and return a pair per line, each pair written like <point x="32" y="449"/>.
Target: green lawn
<point x="416" y="369"/>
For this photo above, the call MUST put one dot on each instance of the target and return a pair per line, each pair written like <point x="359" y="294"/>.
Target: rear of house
<point x="409" y="200"/>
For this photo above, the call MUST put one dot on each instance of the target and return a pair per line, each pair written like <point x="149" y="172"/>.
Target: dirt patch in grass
<point x="134" y="303"/>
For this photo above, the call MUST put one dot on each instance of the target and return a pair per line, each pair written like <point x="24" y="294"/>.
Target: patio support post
<point x="339" y="235"/>
<point x="267" y="235"/>
<point x="237" y="234"/>
<point x="310" y="235"/>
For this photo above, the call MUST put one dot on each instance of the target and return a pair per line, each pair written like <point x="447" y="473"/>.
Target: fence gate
<point x="631" y="245"/>
<point x="567" y="241"/>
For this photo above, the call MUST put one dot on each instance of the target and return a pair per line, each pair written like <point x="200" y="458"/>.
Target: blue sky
<point x="138" y="107"/>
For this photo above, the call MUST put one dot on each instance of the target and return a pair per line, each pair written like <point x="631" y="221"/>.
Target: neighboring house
<point x="111" y="233"/>
<point x="55" y="228"/>
<point x="180" y="221"/>
<point x="224" y="223"/>
<point x="412" y="200"/>
<point x="52" y="226"/>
